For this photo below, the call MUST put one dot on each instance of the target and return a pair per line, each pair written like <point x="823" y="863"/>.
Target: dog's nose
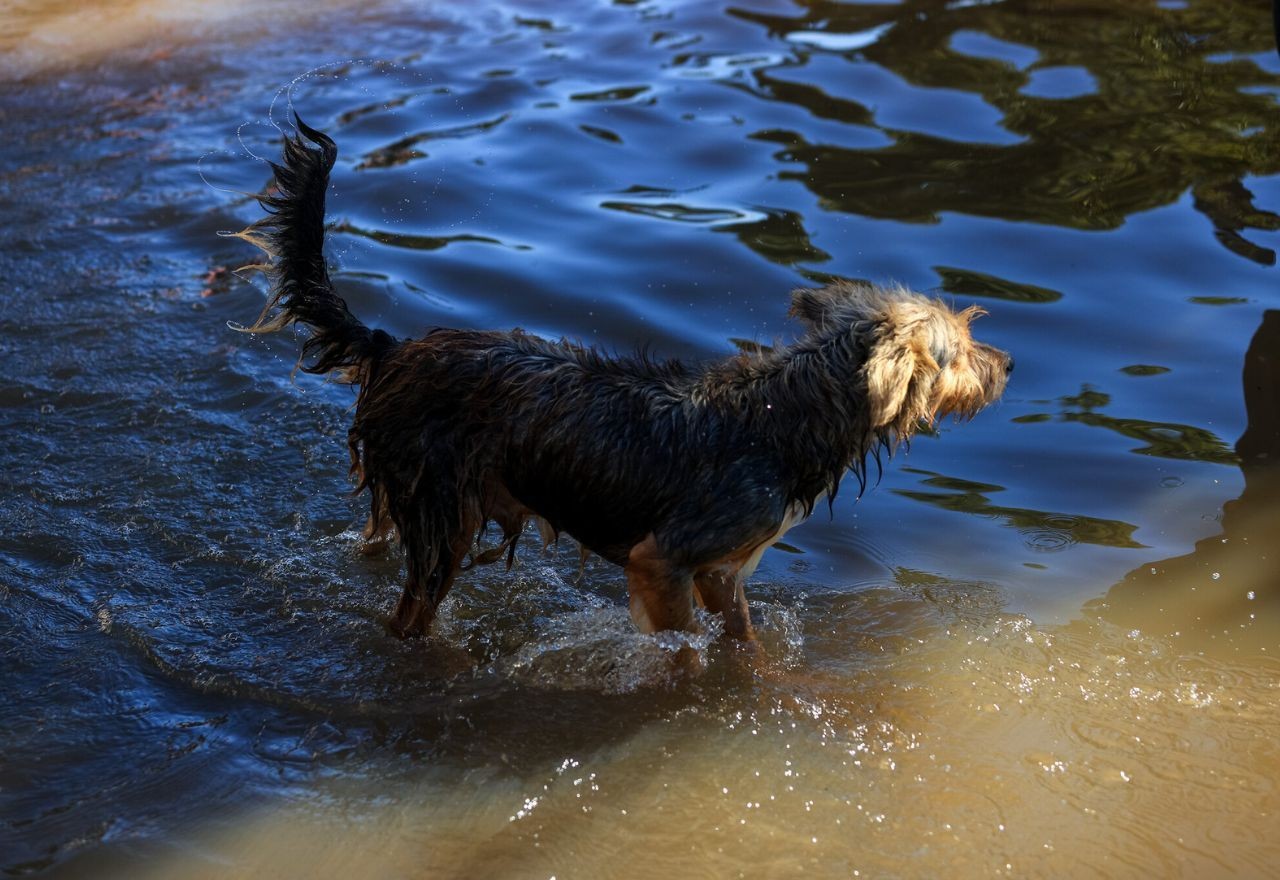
<point x="1008" y="364"/>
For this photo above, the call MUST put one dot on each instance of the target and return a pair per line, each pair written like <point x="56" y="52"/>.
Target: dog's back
<point x="598" y="447"/>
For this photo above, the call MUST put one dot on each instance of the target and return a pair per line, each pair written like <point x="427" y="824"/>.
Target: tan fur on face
<point x="923" y="363"/>
<point x="926" y="364"/>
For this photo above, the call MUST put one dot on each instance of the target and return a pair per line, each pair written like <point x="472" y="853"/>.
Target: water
<point x="1045" y="644"/>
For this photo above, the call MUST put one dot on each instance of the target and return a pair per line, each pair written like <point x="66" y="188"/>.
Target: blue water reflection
<point x="1060" y="83"/>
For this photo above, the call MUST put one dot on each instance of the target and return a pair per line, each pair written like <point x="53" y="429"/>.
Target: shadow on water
<point x="1223" y="597"/>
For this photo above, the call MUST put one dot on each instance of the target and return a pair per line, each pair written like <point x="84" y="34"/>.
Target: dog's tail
<point x="292" y="235"/>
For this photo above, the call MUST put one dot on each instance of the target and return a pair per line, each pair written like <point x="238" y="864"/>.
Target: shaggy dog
<point x="681" y="474"/>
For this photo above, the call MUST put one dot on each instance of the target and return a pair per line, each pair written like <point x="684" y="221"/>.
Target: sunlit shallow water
<point x="1044" y="644"/>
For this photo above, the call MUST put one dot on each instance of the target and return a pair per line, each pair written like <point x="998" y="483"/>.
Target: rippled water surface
<point x="1047" y="643"/>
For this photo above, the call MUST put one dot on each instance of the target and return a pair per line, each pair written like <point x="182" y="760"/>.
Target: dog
<point x="683" y="475"/>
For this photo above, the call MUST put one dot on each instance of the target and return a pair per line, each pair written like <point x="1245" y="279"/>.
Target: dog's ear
<point x="817" y="306"/>
<point x="811" y="305"/>
<point x="899" y="373"/>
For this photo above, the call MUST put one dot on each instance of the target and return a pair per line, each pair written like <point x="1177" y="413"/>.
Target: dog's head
<point x="922" y="362"/>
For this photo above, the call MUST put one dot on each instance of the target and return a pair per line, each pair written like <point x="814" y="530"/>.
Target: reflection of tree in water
<point x="1161" y="439"/>
<point x="779" y="236"/>
<point x="1042" y="530"/>
<point x="1175" y="108"/>
<point x="1225" y="595"/>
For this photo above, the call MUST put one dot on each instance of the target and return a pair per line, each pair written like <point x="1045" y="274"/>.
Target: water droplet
<point x="1216" y="575"/>
<point x="1251" y="595"/>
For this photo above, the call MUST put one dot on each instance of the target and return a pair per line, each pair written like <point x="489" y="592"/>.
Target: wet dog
<point x="684" y="475"/>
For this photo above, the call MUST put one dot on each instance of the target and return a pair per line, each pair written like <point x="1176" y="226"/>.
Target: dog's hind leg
<point x="421" y="598"/>
<point x="414" y="612"/>
<point x="721" y="592"/>
<point x="423" y="593"/>
<point x="661" y="594"/>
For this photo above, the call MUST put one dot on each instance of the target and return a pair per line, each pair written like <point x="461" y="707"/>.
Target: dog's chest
<point x="794" y="516"/>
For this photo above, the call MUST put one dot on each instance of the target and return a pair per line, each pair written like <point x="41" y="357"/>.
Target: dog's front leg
<point x="721" y="591"/>
<point x="661" y="594"/>
<point x="377" y="534"/>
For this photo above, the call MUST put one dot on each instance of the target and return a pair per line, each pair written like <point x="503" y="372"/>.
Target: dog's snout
<point x="1008" y="363"/>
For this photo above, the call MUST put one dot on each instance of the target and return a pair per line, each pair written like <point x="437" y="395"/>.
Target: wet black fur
<point x="607" y="449"/>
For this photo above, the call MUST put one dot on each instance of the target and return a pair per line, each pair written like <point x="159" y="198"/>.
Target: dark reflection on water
<point x="1161" y="79"/>
<point x="1041" y="530"/>
<point x="965" y="282"/>
<point x="1163" y="439"/>
<point x="780" y="237"/>
<point x="414" y="242"/>
<point x="196" y="675"/>
<point x="406" y="149"/>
